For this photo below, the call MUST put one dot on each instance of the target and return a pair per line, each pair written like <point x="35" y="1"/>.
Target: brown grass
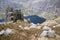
<point x="22" y="34"/>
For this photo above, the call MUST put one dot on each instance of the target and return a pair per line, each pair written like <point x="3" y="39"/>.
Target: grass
<point x="22" y="34"/>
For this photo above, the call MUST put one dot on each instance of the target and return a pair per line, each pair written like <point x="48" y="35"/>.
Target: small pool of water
<point x="35" y="19"/>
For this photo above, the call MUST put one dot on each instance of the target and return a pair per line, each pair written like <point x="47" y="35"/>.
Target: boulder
<point x="26" y="28"/>
<point x="46" y="28"/>
<point x="1" y="32"/>
<point x="25" y="20"/>
<point x="51" y="33"/>
<point x="32" y="25"/>
<point x="44" y="34"/>
<point x="8" y="31"/>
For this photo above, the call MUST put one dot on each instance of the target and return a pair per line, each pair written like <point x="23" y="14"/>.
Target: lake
<point x="35" y="19"/>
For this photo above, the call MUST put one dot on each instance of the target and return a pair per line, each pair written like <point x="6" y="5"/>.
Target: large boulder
<point x="44" y="34"/>
<point x="51" y="33"/>
<point x="8" y="31"/>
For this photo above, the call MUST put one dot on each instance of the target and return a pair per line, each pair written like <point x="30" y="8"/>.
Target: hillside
<point x="48" y="15"/>
<point x="33" y="6"/>
<point x="21" y="30"/>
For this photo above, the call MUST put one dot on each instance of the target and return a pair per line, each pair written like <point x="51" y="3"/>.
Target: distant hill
<point x="32" y="7"/>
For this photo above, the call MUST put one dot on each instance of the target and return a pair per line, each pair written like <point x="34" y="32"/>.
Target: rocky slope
<point x="27" y="31"/>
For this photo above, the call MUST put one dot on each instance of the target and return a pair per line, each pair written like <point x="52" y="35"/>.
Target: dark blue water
<point x="35" y="19"/>
<point x="2" y="20"/>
